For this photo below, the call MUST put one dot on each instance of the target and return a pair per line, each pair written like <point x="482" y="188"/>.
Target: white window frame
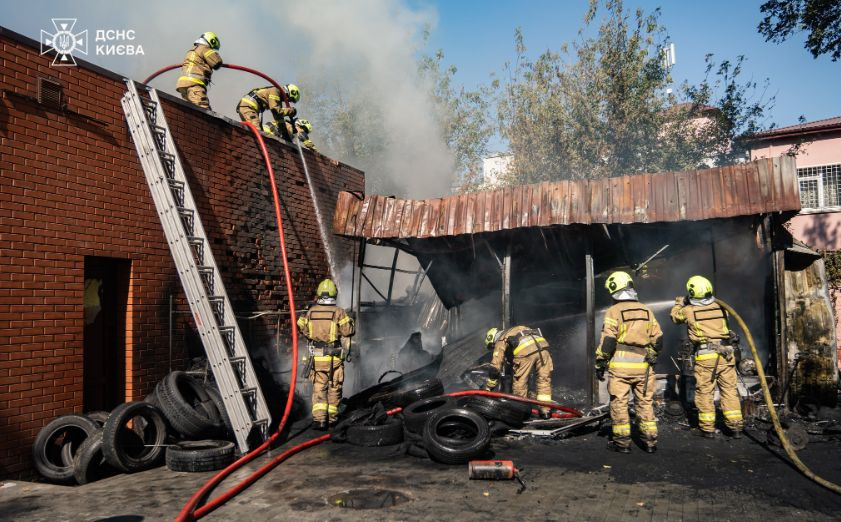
<point x="819" y="179"/>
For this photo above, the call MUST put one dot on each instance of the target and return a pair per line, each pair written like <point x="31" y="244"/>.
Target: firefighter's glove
<point x="600" y="374"/>
<point x="650" y="356"/>
<point x="601" y="367"/>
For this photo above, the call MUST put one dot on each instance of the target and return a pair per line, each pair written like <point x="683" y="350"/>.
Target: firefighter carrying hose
<point x="716" y="355"/>
<point x="530" y="353"/>
<point x="326" y="326"/>
<point x="260" y="99"/>
<point x="198" y="67"/>
<point x="631" y="340"/>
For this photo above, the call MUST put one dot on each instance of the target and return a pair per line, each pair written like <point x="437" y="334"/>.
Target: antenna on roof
<point x="669" y="57"/>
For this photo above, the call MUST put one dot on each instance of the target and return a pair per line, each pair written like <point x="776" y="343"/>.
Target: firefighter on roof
<point x="631" y="340"/>
<point x="198" y="67"/>
<point x="302" y="126"/>
<point x="716" y="355"/>
<point x="530" y="353"/>
<point x="256" y="101"/>
<point x="325" y="326"/>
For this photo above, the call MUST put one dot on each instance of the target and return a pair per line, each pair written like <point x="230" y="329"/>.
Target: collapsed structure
<point x="535" y="255"/>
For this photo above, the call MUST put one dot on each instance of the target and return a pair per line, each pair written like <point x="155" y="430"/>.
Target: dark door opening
<point x="106" y="301"/>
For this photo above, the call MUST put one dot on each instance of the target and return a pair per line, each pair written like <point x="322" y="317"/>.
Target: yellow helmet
<point x="618" y="281"/>
<point x="490" y="337"/>
<point x="326" y="288"/>
<point x="293" y="92"/>
<point x="212" y="40"/>
<point x="305" y="124"/>
<point x="699" y="287"/>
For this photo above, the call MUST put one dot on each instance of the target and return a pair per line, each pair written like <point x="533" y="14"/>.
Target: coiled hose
<point x="775" y="419"/>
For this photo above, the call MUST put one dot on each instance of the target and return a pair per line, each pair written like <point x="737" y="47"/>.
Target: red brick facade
<point x="72" y="187"/>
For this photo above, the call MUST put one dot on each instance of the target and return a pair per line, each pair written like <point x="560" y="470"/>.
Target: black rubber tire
<point x="516" y="407"/>
<point x="48" y="456"/>
<point x="181" y="397"/>
<point x="417" y="413"/>
<point x="407" y="393"/>
<point x="225" y="429"/>
<point x="494" y="409"/>
<point x="200" y="455"/>
<point x="89" y="463"/>
<point x="133" y="449"/>
<point x="99" y="417"/>
<point x="448" y="451"/>
<point x="383" y="435"/>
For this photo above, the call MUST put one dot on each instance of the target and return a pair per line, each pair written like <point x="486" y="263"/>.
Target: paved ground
<point x="574" y="479"/>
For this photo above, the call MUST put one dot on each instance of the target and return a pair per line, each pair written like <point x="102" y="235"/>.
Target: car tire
<point x="417" y="413"/>
<point x="132" y="449"/>
<point x="447" y="450"/>
<point x="408" y="393"/>
<point x="496" y="410"/>
<point x="200" y="455"/>
<point x="181" y="400"/>
<point x="89" y="464"/>
<point x="48" y="450"/>
<point x="386" y="434"/>
<point x="98" y="416"/>
<point x="225" y="429"/>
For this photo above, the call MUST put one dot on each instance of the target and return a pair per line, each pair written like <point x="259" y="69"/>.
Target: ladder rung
<point x="218" y="304"/>
<point x="197" y="243"/>
<point x="177" y="188"/>
<point x="249" y="391"/>
<point x="260" y="421"/>
<point x="206" y="273"/>
<point x="159" y="133"/>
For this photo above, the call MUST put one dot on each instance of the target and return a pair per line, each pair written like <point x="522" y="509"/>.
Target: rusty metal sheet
<point x="767" y="185"/>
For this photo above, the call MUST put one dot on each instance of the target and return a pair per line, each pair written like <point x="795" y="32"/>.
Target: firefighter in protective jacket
<point x="326" y="325"/>
<point x="198" y="67"/>
<point x="631" y="340"/>
<point x="261" y="99"/>
<point x="530" y="353"/>
<point x="715" y="355"/>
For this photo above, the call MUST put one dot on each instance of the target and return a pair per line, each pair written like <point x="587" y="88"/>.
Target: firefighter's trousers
<point x="707" y="376"/>
<point x="250" y="115"/>
<point x="541" y="363"/>
<point x="622" y="382"/>
<point x="195" y="94"/>
<point x="326" y="394"/>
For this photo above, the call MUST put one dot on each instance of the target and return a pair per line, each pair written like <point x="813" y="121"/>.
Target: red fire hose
<point x="227" y="66"/>
<point x="189" y="511"/>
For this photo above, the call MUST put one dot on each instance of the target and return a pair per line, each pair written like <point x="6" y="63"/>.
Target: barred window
<point x="820" y="187"/>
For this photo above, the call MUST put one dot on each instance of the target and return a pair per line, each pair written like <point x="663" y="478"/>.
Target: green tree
<point x="603" y="105"/>
<point x="821" y="19"/>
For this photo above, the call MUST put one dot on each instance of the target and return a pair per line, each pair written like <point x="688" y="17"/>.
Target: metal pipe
<point x="391" y="276"/>
<point x="590" y="296"/>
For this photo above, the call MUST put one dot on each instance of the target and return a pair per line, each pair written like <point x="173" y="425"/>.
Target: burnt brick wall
<point x="72" y="186"/>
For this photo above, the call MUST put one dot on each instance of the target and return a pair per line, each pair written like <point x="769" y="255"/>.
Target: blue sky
<point x="477" y="37"/>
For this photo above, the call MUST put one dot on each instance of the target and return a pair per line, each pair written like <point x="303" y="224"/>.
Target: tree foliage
<point x="602" y="105"/>
<point x="821" y="19"/>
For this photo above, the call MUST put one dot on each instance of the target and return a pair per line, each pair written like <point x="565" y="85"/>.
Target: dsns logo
<point x="63" y="42"/>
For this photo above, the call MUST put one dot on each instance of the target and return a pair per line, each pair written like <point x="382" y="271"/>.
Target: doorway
<point x="105" y="301"/>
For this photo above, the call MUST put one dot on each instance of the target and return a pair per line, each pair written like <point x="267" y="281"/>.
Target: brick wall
<point x="72" y="187"/>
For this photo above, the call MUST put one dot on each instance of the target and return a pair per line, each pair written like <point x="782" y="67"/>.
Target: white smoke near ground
<point x="360" y="54"/>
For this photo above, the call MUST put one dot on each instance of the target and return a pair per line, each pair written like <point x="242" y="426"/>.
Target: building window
<point x="820" y="187"/>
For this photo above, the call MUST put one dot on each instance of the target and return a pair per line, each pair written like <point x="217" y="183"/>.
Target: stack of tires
<point x="457" y="430"/>
<point x="171" y="424"/>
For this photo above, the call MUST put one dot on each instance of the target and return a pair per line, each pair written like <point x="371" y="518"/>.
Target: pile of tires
<point x="170" y="425"/>
<point x="458" y="430"/>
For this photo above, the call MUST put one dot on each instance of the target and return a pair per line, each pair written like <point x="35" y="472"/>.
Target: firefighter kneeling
<point x="631" y="340"/>
<point x="530" y="352"/>
<point x="716" y="356"/>
<point x="327" y="327"/>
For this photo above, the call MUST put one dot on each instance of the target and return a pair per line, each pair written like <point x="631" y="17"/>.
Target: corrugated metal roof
<point x="800" y="128"/>
<point x="766" y="185"/>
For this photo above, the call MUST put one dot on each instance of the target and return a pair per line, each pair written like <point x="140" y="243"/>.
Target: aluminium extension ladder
<point x="196" y="266"/>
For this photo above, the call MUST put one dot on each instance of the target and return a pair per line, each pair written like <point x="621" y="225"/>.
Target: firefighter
<point x="303" y="127"/>
<point x="530" y="353"/>
<point x="631" y="340"/>
<point x="715" y="356"/>
<point x="256" y="101"/>
<point x="198" y="67"/>
<point x="326" y="327"/>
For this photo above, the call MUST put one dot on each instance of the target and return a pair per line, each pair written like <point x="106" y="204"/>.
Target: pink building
<point x="817" y="148"/>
